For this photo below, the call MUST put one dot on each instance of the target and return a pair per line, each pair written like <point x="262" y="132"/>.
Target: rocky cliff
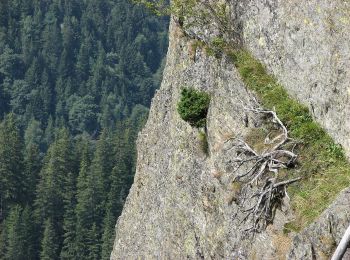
<point x="183" y="203"/>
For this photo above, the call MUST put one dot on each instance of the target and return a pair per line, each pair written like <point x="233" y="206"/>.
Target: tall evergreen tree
<point x="32" y="166"/>
<point x="51" y="190"/>
<point x="30" y="235"/>
<point x="11" y="164"/>
<point x="83" y="220"/>
<point x="90" y="208"/>
<point x="49" y="246"/>
<point x="15" y="246"/>
<point x="19" y="232"/>
<point x="103" y="160"/>
<point x="69" y="223"/>
<point x="3" y="13"/>
<point x="3" y="239"/>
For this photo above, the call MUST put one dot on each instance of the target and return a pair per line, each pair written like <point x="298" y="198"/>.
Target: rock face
<point x="182" y="203"/>
<point x="318" y="240"/>
<point x="305" y="44"/>
<point x="177" y="208"/>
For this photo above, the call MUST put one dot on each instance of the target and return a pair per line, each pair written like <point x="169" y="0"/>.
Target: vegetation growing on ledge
<point x="322" y="162"/>
<point x="193" y="107"/>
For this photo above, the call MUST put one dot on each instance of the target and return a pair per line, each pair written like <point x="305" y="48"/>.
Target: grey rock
<point x="318" y="241"/>
<point x="305" y="44"/>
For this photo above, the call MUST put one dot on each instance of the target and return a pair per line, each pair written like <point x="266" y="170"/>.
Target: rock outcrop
<point x="183" y="203"/>
<point x="305" y="44"/>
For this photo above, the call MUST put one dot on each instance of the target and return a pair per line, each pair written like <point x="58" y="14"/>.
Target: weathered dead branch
<point x="264" y="172"/>
<point x="268" y="196"/>
<point x="343" y="246"/>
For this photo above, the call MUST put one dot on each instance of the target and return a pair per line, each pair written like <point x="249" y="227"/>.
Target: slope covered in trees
<point x="76" y="78"/>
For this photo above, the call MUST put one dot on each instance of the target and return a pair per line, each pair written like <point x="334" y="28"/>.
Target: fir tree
<point x="58" y="165"/>
<point x="49" y="247"/>
<point x="19" y="234"/>
<point x="69" y="223"/>
<point x="11" y="164"/>
<point x="15" y="247"/>
<point x="82" y="218"/>
<point x="32" y="166"/>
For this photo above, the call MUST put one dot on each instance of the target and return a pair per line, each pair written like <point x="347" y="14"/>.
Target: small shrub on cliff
<point x="193" y="107"/>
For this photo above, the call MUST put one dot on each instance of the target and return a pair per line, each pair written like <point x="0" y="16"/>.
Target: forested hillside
<point x="76" y="80"/>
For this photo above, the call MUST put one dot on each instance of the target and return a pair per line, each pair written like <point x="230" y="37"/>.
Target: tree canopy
<point x="76" y="81"/>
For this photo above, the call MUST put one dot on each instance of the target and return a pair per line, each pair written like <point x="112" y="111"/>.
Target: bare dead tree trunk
<point x="343" y="245"/>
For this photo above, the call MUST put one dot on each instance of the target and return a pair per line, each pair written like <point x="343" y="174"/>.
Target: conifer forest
<point x="76" y="82"/>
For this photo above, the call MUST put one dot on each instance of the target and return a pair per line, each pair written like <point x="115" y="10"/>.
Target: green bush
<point x="193" y="107"/>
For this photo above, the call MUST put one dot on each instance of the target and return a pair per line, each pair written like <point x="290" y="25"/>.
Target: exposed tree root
<point x="264" y="173"/>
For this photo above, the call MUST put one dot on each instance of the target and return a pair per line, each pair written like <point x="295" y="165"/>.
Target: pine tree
<point x="3" y="239"/>
<point x="3" y="13"/>
<point x="46" y="95"/>
<point x="90" y="206"/>
<point x="52" y="39"/>
<point x="33" y="134"/>
<point x="94" y="243"/>
<point x="51" y="190"/>
<point x="20" y="235"/>
<point x="82" y="218"/>
<point x="14" y="247"/>
<point x="30" y="234"/>
<point x="49" y="246"/>
<point x="11" y="164"/>
<point x="49" y="134"/>
<point x="108" y="235"/>
<point x="33" y="74"/>
<point x="69" y="223"/>
<point x="83" y="63"/>
<point x="32" y="166"/>
<point x="4" y="101"/>
<point x="96" y="80"/>
<point x="103" y="161"/>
